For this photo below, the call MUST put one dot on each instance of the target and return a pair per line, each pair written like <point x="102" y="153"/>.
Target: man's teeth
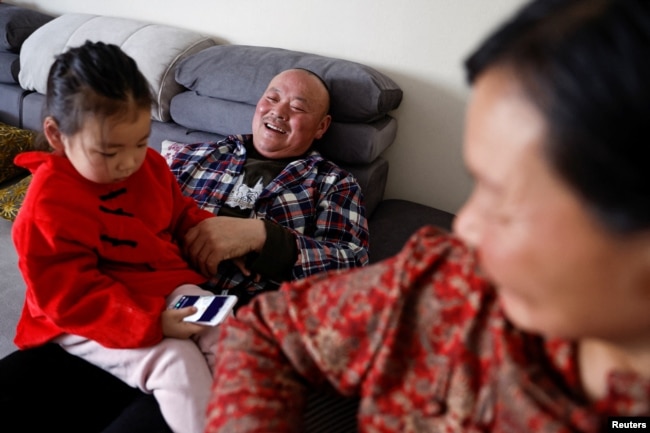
<point x="275" y="128"/>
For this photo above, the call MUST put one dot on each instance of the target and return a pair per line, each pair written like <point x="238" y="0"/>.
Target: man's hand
<point x="222" y="238"/>
<point x="173" y="325"/>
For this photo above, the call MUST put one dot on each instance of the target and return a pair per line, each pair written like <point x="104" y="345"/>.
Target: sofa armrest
<point x="394" y="221"/>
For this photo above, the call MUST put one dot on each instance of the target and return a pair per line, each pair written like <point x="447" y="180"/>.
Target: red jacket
<point x="99" y="259"/>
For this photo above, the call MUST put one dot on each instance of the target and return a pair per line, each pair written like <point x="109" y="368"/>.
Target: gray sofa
<point x="205" y="91"/>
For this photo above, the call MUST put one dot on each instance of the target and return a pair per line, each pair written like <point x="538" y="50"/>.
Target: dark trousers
<point x="47" y="389"/>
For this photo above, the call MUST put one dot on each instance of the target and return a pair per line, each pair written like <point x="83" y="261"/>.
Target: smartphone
<point x="212" y="310"/>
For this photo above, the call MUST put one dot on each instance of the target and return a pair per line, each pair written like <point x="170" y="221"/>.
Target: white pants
<point x="174" y="370"/>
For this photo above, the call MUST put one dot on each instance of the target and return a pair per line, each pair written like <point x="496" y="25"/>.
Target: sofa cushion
<point x="13" y="141"/>
<point x="17" y="23"/>
<point x="241" y="73"/>
<point x="353" y="143"/>
<point x="157" y="49"/>
<point x="12" y="196"/>
<point x="212" y="114"/>
<point x="9" y="67"/>
<point x="358" y="143"/>
<point x="11" y="97"/>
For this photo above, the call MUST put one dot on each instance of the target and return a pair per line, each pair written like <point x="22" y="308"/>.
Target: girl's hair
<point x="585" y="64"/>
<point x="94" y="79"/>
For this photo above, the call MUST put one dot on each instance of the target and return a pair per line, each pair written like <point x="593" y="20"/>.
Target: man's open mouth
<point x="275" y="128"/>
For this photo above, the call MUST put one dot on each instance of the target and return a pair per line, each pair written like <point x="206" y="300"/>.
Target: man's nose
<point x="281" y="111"/>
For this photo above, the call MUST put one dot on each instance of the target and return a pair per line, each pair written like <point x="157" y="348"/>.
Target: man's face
<point x="291" y="114"/>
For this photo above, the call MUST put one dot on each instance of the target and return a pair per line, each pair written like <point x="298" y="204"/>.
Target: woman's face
<point x="557" y="270"/>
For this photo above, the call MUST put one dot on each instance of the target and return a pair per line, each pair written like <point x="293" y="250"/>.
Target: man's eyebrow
<point x="299" y="98"/>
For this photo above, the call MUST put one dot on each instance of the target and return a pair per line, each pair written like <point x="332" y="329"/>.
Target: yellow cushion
<point x="13" y="141"/>
<point x="11" y="197"/>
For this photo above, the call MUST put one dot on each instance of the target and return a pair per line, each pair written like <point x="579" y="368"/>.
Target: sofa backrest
<point x="156" y="49"/>
<point x="224" y="83"/>
<point x="205" y="91"/>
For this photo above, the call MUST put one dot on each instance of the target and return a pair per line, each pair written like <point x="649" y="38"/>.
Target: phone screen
<point x="208" y="307"/>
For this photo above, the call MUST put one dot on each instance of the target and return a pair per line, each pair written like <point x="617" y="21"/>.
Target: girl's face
<point x="109" y="150"/>
<point x="558" y="271"/>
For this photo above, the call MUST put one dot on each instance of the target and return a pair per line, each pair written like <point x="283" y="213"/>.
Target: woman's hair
<point x="586" y="66"/>
<point x="94" y="79"/>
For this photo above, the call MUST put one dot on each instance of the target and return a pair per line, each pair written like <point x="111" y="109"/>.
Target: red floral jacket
<point x="420" y="338"/>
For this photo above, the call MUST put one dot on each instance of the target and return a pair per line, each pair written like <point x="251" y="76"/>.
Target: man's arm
<point x="338" y="238"/>
<point x="330" y="234"/>
<point x="335" y="238"/>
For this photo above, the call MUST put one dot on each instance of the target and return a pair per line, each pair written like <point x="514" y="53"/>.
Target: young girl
<point x="96" y="238"/>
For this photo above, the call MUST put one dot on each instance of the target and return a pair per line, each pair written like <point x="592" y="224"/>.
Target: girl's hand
<point x="173" y="325"/>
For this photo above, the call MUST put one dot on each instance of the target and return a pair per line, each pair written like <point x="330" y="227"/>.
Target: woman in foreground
<point x="535" y="316"/>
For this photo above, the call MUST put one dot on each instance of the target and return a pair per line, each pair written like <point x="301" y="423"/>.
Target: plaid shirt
<point x="315" y="199"/>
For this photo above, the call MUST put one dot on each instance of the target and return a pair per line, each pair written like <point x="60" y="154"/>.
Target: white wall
<point x="419" y="43"/>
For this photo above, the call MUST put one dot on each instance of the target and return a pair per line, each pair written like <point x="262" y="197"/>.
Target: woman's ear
<point x="53" y="134"/>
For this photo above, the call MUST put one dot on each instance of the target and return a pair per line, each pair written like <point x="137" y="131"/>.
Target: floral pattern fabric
<point x="420" y="338"/>
<point x="14" y="180"/>
<point x="12" y="142"/>
<point x="12" y="196"/>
